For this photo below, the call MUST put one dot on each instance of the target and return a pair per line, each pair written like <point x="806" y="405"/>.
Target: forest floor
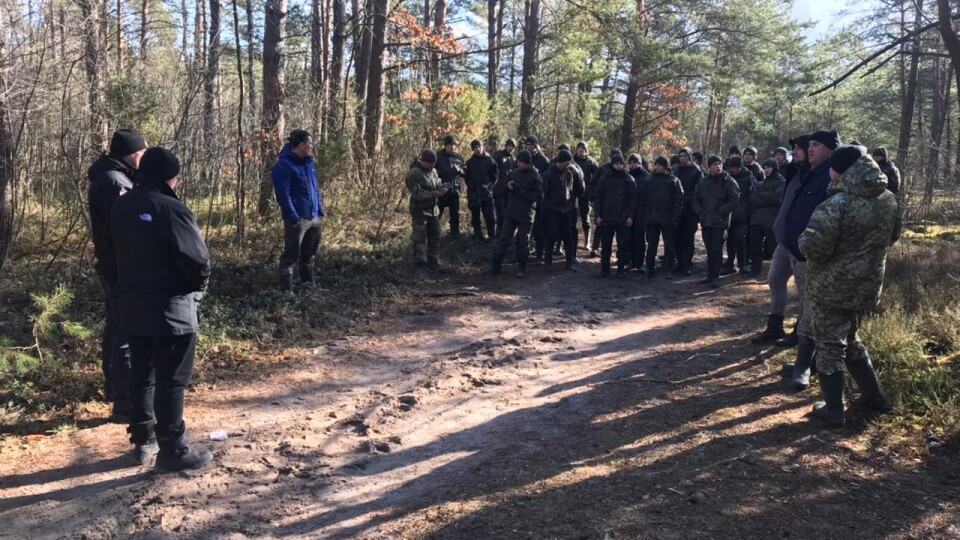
<point x="557" y="406"/>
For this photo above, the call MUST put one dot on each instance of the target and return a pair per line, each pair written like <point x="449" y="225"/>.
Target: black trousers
<point x="560" y="227"/>
<point x="607" y="233"/>
<point x="484" y="208"/>
<point x="638" y="244"/>
<point x="161" y="370"/>
<point x="584" y="208"/>
<point x="500" y="207"/>
<point x="684" y="241"/>
<point x="713" y="242"/>
<point x="452" y="201"/>
<point x="737" y="244"/>
<point x="300" y="244"/>
<point x="114" y="346"/>
<point x="522" y="231"/>
<point x="539" y="241"/>
<point x="762" y="240"/>
<point x="654" y="232"/>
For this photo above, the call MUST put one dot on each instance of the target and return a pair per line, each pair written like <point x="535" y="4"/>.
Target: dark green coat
<point x="766" y="199"/>
<point x="615" y="197"/>
<point x="661" y="200"/>
<point x="423" y="185"/>
<point x="715" y="199"/>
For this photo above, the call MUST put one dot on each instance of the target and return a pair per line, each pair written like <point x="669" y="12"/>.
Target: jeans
<point x="161" y="369"/>
<point x="300" y="244"/>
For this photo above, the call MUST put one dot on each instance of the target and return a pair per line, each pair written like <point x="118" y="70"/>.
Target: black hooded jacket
<point x="689" y="177"/>
<point x="527" y="191"/>
<point x="482" y="174"/>
<point x="746" y="182"/>
<point x="110" y="177"/>
<point x="561" y="189"/>
<point x="615" y="197"/>
<point x="589" y="168"/>
<point x="662" y="200"/>
<point x="450" y="169"/>
<point x="162" y="261"/>
<point x="505" y="162"/>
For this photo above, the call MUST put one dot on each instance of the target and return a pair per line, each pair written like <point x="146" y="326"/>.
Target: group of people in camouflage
<point x="825" y="217"/>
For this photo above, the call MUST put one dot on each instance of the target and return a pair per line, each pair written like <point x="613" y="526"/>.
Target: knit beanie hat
<point x="634" y="158"/>
<point x="125" y="142"/>
<point x="475" y="143"/>
<point x="735" y="161"/>
<point x="828" y="138"/>
<point x="770" y="162"/>
<point x="714" y="159"/>
<point x="684" y="150"/>
<point x="524" y="157"/>
<point x="674" y="160"/>
<point x="662" y="160"/>
<point x="511" y="142"/>
<point x="532" y="139"/>
<point x="780" y="150"/>
<point x="617" y="158"/>
<point x="845" y="156"/>
<point x="564" y="156"/>
<point x="582" y="144"/>
<point x="428" y="155"/>
<point x="880" y="151"/>
<point x="616" y="151"/>
<point x="697" y="155"/>
<point x="734" y="150"/>
<point x="564" y="146"/>
<point x="158" y="165"/>
<point x="750" y="150"/>
<point x="450" y="139"/>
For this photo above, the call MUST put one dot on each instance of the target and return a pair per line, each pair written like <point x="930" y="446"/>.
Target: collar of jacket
<point x="821" y="169"/>
<point x="122" y="165"/>
<point x="149" y="184"/>
<point x="288" y="153"/>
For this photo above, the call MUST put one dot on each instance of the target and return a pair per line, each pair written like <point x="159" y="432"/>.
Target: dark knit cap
<point x="158" y="165"/>
<point x="750" y="150"/>
<point x="428" y="155"/>
<point x="770" y="162"/>
<point x="662" y="160"/>
<point x="511" y="142"/>
<point x="674" y="160"/>
<point x="735" y="161"/>
<point x="856" y="143"/>
<point x="475" y="143"/>
<point x="829" y="138"/>
<point x="532" y="139"/>
<point x="845" y="156"/>
<point x="564" y="156"/>
<point x="780" y="150"/>
<point x="582" y="144"/>
<point x="634" y="158"/>
<point x="616" y="151"/>
<point x="734" y="150"/>
<point x="564" y="146"/>
<point x="125" y="142"/>
<point x="803" y="141"/>
<point x="714" y="159"/>
<point x="616" y="158"/>
<point x="880" y="151"/>
<point x="685" y="150"/>
<point x="697" y="155"/>
<point x="450" y="139"/>
<point x="524" y="157"/>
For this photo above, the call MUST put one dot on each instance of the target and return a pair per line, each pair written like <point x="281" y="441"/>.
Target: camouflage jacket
<point x="846" y="240"/>
<point x="423" y="185"/>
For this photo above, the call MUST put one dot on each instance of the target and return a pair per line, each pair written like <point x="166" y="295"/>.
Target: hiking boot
<point x="789" y="340"/>
<point x="831" y="409"/>
<point x="179" y="456"/>
<point x="871" y="397"/>
<point x="144" y="440"/>
<point x="143" y="453"/>
<point x="286" y="283"/>
<point x="801" y="368"/>
<point x="773" y="332"/>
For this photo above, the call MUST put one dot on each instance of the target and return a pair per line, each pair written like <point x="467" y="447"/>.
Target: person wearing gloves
<point x="525" y="188"/>
<point x="163" y="267"/>
<point x="845" y="244"/>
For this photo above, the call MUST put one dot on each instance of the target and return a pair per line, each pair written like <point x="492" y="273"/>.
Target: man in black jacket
<point x="888" y="169"/>
<point x="689" y="175"/>
<point x="714" y="200"/>
<point x="110" y="177"/>
<point x="482" y="174"/>
<point x="562" y="186"/>
<point x="506" y="162"/>
<point x="163" y="267"/>
<point x="451" y="170"/>
<point x="589" y="168"/>
<point x="750" y="163"/>
<point x="740" y="221"/>
<point x="525" y="187"/>
<point x="662" y="203"/>
<point x="615" y="204"/>
<point x="638" y="233"/>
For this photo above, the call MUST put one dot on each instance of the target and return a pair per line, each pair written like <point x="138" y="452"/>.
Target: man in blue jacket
<point x="298" y="193"/>
<point x="800" y="200"/>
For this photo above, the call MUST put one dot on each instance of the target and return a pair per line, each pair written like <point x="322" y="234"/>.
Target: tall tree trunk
<point x="211" y="91"/>
<point x="951" y="42"/>
<point x="531" y="34"/>
<point x="8" y="176"/>
<point x="240" y="191"/>
<point x="274" y="96"/>
<point x="144" y="26"/>
<point x="336" y="60"/>
<point x="184" y="36"/>
<point x="439" y="24"/>
<point x="492" y="56"/>
<point x="251" y="50"/>
<point x="362" y="68"/>
<point x="942" y="78"/>
<point x="427" y="17"/>
<point x="317" y="66"/>
<point x="94" y="61"/>
<point x="630" y="108"/>
<point x="909" y="96"/>
<point x="119" y="36"/>
<point x="374" y="101"/>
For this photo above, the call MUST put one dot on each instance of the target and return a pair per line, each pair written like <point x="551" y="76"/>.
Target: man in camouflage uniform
<point x="846" y="244"/>
<point x="425" y="190"/>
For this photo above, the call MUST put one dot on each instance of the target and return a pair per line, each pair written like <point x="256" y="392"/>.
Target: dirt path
<point x="559" y="406"/>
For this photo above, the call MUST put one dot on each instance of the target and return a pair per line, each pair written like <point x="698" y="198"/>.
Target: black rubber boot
<point x="144" y="441"/>
<point x="306" y="274"/>
<point x="774" y="330"/>
<point x="801" y="367"/>
<point x="286" y="283"/>
<point x="871" y="396"/>
<point x="831" y="409"/>
<point x="177" y="455"/>
<point x="789" y="340"/>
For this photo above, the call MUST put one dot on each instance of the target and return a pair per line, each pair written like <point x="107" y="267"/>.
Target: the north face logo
<point x="146" y="217"/>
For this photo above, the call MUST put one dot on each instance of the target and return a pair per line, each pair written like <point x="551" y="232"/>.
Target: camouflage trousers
<point x="804" y="324"/>
<point x="835" y="331"/>
<point x="426" y="238"/>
